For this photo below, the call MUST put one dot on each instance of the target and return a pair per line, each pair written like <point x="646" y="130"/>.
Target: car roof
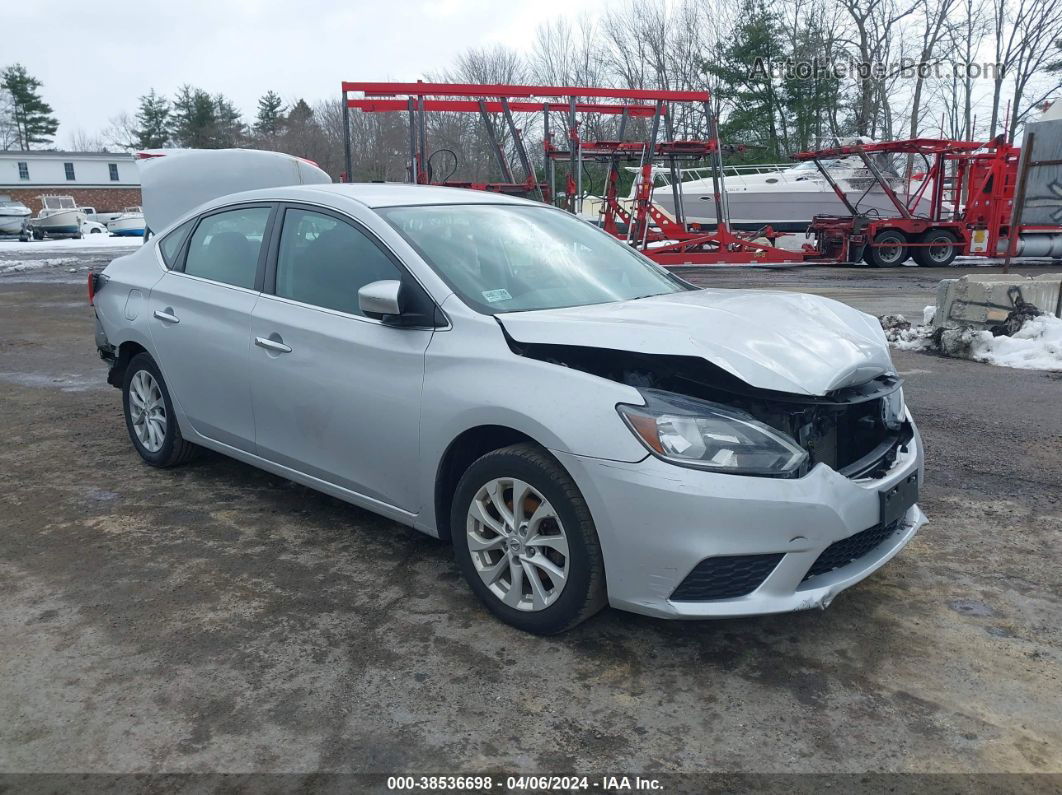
<point x="377" y="194"/>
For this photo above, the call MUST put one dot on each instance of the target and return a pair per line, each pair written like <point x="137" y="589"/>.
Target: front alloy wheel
<point x="525" y="541"/>
<point x="517" y="544"/>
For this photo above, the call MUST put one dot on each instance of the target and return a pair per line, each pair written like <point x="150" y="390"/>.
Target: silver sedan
<point x="586" y="428"/>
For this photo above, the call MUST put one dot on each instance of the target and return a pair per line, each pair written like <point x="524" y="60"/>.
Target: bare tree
<point x="876" y="26"/>
<point x="120" y="132"/>
<point x="8" y="129"/>
<point x="1020" y="29"/>
<point x="81" y="141"/>
<point x="933" y="22"/>
<point x="965" y="38"/>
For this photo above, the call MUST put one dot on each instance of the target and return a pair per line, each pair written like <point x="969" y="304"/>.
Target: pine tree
<point x="270" y="117"/>
<point x="32" y="116"/>
<point x="152" y="119"/>
<point x="194" y="119"/>
<point x="744" y="73"/>
<point x="301" y="115"/>
<point x="229" y="129"/>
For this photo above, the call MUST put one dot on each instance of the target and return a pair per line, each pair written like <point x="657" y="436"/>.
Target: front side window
<point x="113" y="167"/>
<point x="69" y="170"/>
<point x="225" y="246"/>
<point x="170" y="246"/>
<point x="23" y="170"/>
<point x="324" y="261"/>
<point x="515" y="258"/>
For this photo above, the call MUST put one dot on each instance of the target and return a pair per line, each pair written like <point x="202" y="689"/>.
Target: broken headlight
<point x="710" y="436"/>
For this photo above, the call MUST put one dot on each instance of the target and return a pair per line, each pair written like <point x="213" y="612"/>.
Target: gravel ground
<point x="216" y="618"/>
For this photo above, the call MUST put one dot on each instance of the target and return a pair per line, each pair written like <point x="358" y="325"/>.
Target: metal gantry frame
<point x="666" y="239"/>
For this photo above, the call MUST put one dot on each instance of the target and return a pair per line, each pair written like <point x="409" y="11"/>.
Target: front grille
<point x="841" y="553"/>
<point x="725" y="577"/>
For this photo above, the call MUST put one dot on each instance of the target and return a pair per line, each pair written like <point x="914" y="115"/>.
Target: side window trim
<point x="270" y="287"/>
<point x="184" y="231"/>
<point x="406" y="276"/>
<point x="263" y="251"/>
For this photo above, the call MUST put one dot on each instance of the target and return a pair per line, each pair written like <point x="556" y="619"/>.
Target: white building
<point x="104" y="180"/>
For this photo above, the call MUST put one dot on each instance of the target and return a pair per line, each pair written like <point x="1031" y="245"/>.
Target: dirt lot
<point x="215" y="618"/>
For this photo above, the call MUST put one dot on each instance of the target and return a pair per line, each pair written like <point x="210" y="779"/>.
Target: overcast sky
<point x="96" y="59"/>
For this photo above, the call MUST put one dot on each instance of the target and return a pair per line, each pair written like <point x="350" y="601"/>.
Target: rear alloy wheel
<point x="524" y="540"/>
<point x="889" y="249"/>
<point x="941" y="251"/>
<point x="149" y="416"/>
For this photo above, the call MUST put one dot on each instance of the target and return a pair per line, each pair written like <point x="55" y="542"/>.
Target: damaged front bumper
<point x="792" y="544"/>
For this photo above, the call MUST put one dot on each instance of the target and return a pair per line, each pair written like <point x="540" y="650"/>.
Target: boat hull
<point x="12" y="224"/>
<point x="785" y="211"/>
<point x="132" y="226"/>
<point x="62" y="222"/>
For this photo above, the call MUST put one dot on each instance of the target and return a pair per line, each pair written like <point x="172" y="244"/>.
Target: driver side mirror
<point x="379" y="299"/>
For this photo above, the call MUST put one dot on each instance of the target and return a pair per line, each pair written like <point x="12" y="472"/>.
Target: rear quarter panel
<point x="122" y="302"/>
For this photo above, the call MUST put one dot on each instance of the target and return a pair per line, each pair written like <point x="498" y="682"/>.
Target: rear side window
<point x="225" y="246"/>
<point x="170" y="246"/>
<point x="324" y="261"/>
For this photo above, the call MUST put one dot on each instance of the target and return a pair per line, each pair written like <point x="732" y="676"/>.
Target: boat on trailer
<point x="13" y="216"/>
<point x="785" y="197"/>
<point x="129" y="223"/>
<point x="59" y="217"/>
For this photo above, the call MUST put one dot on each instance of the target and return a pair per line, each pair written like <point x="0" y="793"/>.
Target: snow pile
<point x="1036" y="346"/>
<point x="66" y="244"/>
<point x="902" y="335"/>
<point x="19" y="265"/>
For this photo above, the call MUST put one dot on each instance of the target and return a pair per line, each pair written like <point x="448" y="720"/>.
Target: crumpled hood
<point x="789" y="342"/>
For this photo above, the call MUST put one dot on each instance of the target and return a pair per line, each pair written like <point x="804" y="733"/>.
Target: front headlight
<point x="705" y="435"/>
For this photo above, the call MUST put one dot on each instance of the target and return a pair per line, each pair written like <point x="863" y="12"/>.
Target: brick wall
<point x="105" y="200"/>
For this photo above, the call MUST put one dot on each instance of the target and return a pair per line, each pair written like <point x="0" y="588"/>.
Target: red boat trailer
<point x="970" y="188"/>
<point x="668" y="240"/>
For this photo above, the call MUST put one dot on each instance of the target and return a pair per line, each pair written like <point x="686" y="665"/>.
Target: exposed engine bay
<point x="856" y="430"/>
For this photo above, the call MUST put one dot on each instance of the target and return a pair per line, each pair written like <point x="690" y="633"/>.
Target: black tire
<point x="94" y="231"/>
<point x="945" y="247"/>
<point x="584" y="592"/>
<point x="174" y="450"/>
<point x="889" y="250"/>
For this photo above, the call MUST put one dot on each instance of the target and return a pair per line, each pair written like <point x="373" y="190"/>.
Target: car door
<point x="336" y="394"/>
<point x="201" y="317"/>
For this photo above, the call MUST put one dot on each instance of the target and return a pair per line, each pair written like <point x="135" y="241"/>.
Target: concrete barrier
<point x="981" y="302"/>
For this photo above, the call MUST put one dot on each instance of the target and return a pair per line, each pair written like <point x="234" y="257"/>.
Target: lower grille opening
<point x="841" y="553"/>
<point x="726" y="577"/>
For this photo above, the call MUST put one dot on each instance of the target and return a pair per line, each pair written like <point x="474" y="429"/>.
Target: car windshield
<point x="516" y="258"/>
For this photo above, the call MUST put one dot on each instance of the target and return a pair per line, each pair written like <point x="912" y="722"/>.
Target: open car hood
<point x="788" y="342"/>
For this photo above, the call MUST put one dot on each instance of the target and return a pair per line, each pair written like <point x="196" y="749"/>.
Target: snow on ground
<point x="57" y="260"/>
<point x="89" y="241"/>
<point x="19" y="265"/>
<point x="1037" y="345"/>
<point x="903" y="335"/>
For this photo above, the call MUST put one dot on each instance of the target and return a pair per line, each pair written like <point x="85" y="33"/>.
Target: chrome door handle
<point x="167" y="317"/>
<point x="272" y="345"/>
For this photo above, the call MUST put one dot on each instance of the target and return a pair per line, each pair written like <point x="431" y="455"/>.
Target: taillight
<point x="92" y="285"/>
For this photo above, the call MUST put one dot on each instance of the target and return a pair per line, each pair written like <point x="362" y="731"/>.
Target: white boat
<point x="129" y="223"/>
<point x="13" y="216"/>
<point x="59" y="217"/>
<point x="99" y="218"/>
<point x="787" y="197"/>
